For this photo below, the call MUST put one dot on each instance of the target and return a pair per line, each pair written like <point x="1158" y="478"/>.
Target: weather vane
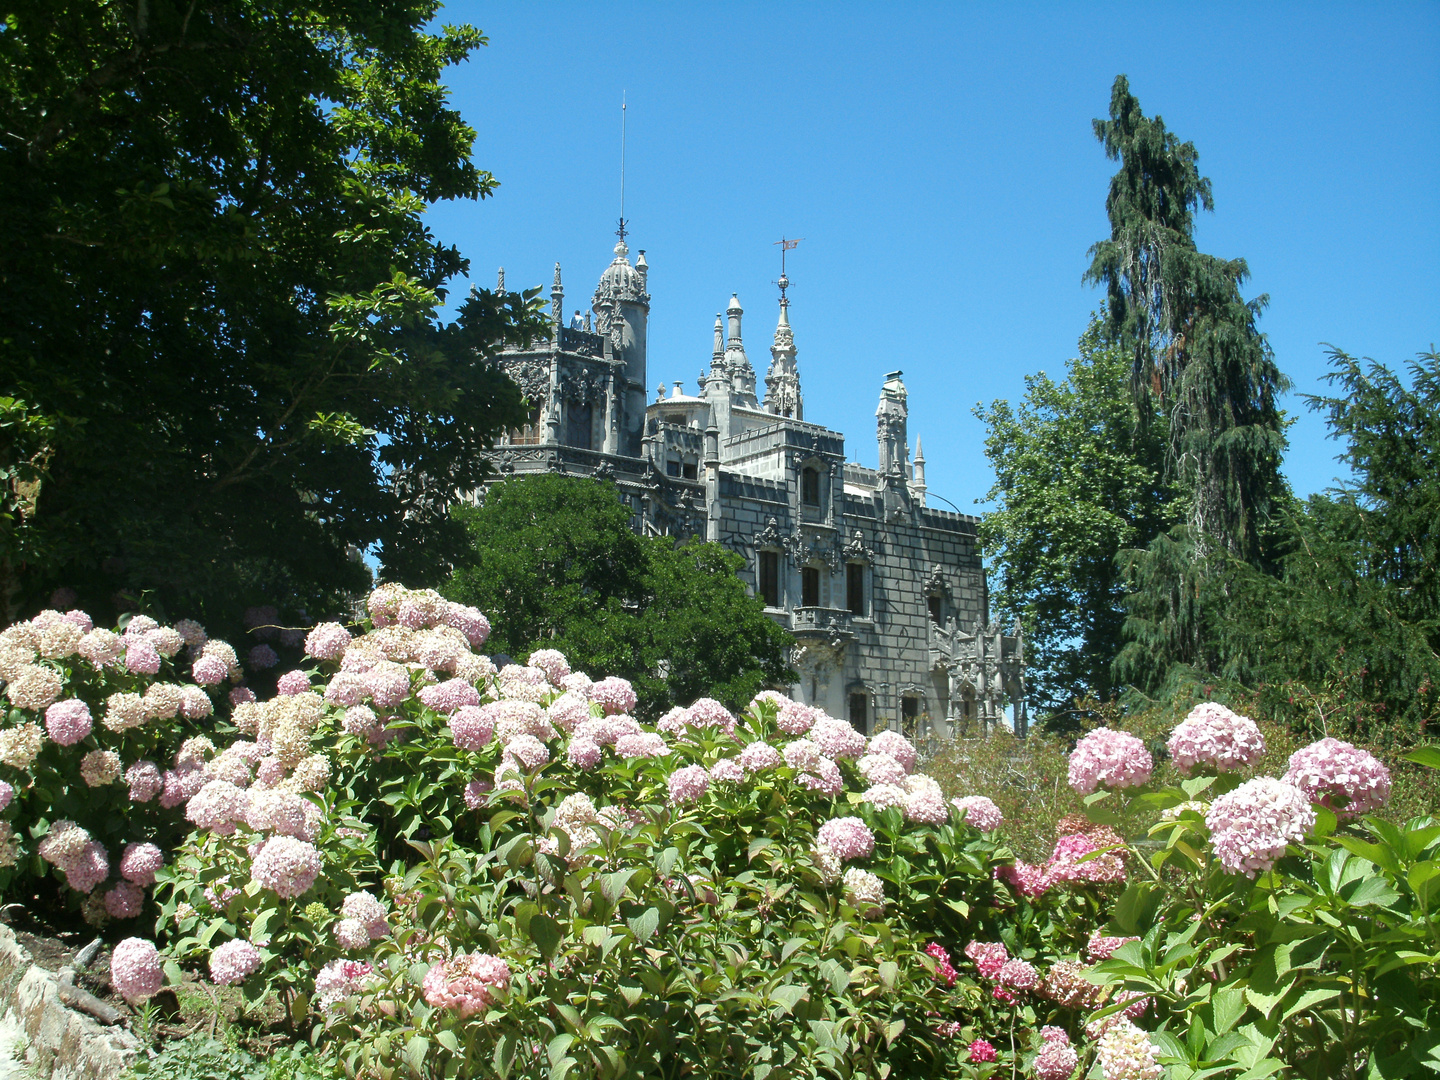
<point x="785" y="245"/>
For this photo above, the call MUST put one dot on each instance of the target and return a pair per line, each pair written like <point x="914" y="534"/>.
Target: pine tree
<point x="1198" y="357"/>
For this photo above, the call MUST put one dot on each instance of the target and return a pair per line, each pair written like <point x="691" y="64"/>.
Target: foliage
<point x="221" y="300"/>
<point x="1195" y="352"/>
<point x="555" y="560"/>
<point x="1077" y="480"/>
<point x="201" y="1057"/>
<point x="1353" y="612"/>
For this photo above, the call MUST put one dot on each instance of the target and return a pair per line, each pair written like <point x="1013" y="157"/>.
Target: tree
<point x="555" y="564"/>
<point x="1196" y="352"/>
<point x="1199" y="362"/>
<point x="1077" y="480"/>
<point x="1354" y="610"/>
<point x="221" y="299"/>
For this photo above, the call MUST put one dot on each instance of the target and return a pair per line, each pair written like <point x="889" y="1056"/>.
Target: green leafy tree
<point x="555" y="563"/>
<point x="1077" y="480"/>
<point x="221" y="299"/>
<point x="1351" y="621"/>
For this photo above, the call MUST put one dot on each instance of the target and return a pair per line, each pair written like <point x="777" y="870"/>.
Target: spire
<point x="718" y="359"/>
<point x="557" y="301"/>
<point x="782" y="381"/>
<point x="918" y="483"/>
<point x="500" y="281"/>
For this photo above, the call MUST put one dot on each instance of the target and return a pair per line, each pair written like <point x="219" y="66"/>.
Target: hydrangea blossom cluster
<point x="467" y="984"/>
<point x="1056" y="1059"/>
<point x="233" y="962"/>
<point x="1251" y="827"/>
<point x="1213" y="737"/>
<point x="865" y="891"/>
<point x="848" y="837"/>
<point x="135" y="969"/>
<point x="1106" y="758"/>
<point x="945" y="973"/>
<point x="1126" y="1053"/>
<point x="980" y="812"/>
<point x="988" y="957"/>
<point x="981" y="1052"/>
<point x="1339" y="776"/>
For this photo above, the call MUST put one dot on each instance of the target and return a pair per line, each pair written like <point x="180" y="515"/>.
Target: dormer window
<point x="810" y="486"/>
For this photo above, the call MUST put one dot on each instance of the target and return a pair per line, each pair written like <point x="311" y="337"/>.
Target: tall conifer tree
<point x="1198" y="356"/>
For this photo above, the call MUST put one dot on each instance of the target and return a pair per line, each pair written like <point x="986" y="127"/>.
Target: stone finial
<point x="782" y="381"/>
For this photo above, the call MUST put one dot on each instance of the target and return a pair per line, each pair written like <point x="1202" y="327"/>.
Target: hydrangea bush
<point x="444" y="868"/>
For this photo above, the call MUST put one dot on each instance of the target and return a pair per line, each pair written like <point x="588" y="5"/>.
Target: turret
<point x="742" y="375"/>
<point x="917" y="485"/>
<point x="622" y="312"/>
<point x="557" y="302"/>
<point x="890" y="424"/>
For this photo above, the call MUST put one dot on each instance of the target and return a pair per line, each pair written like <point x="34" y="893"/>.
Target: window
<point x="770" y="578"/>
<point x="810" y="487"/>
<point x="810" y="587"/>
<point x="859" y="711"/>
<point x="672" y="468"/>
<point x="855" y="587"/>
<point x="909" y="715"/>
<point x="579" y="425"/>
<point x="529" y="435"/>
<point x="690" y="470"/>
<point x="935" y="603"/>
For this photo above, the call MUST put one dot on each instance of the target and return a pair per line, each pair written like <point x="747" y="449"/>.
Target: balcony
<point x="817" y="624"/>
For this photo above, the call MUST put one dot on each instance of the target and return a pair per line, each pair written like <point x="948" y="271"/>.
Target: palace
<point x="885" y="595"/>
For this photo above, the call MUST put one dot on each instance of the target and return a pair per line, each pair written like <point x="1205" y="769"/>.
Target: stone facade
<point x="884" y="595"/>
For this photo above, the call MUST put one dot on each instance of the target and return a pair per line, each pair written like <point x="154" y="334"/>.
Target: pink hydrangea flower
<point x="837" y="738"/>
<point x="217" y="806"/>
<point x="727" y="771"/>
<point x="328" y="641"/>
<point x="826" y="778"/>
<point x="528" y="751"/>
<point x="1213" y="737"/>
<point x="945" y="973"/>
<point x="139" y="862"/>
<point x="645" y="744"/>
<point x="90" y="869"/>
<point x="1106" y="758"/>
<point x="292" y="683"/>
<point x="707" y="713"/>
<point x="614" y="695"/>
<point x="569" y="711"/>
<point x="1056" y="1060"/>
<point x="1101" y="947"/>
<point x="135" y="970"/>
<point x="1339" y="776"/>
<point x="759" y="756"/>
<point x="233" y="962"/>
<point x="68" y="721"/>
<point x="286" y="865"/>
<point x="389" y="684"/>
<point x="980" y="813"/>
<point x="350" y="934"/>
<point x="1018" y="975"/>
<point x="144" y="780"/>
<point x="141" y="657"/>
<point x="1051" y="1033"/>
<point x="124" y="900"/>
<point x="346" y="689"/>
<point x="795" y="718"/>
<point x="369" y="912"/>
<point x="1126" y="1053"/>
<point x="583" y="753"/>
<point x="471" y="727"/>
<point x="449" y="695"/>
<point x="848" y="837"/>
<point x="468" y="621"/>
<point x="241" y="695"/>
<point x="1073" y="858"/>
<point x="924" y="801"/>
<point x="1252" y="826"/>
<point x="802" y="755"/>
<point x="552" y="662"/>
<point x="688" y="784"/>
<point x="467" y="984"/>
<point x="1027" y="880"/>
<point x="895" y="745"/>
<point x="988" y="957"/>
<point x="340" y="980"/>
<point x="981" y="1052"/>
<point x="6" y="794"/>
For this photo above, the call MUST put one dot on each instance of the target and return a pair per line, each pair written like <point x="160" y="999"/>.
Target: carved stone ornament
<point x="532" y="376"/>
<point x="937" y="585"/>
<point x="768" y="537"/>
<point x="604" y="471"/>
<point x="857" y="551"/>
<point x="582" y="387"/>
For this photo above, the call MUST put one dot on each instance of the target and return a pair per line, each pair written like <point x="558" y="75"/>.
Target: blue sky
<point x="939" y="161"/>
